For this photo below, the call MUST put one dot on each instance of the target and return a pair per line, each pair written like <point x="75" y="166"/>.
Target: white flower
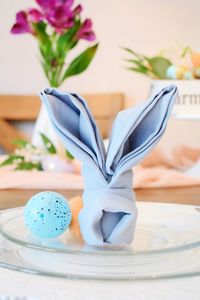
<point x="28" y="158"/>
<point x="28" y="146"/>
<point x="19" y="152"/>
<point x="37" y="151"/>
<point x="36" y="158"/>
<point x="48" y="145"/>
<point x="17" y="161"/>
<point x="51" y="166"/>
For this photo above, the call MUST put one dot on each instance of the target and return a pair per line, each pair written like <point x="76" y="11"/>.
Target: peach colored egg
<point x="197" y="72"/>
<point x="75" y="204"/>
<point x="195" y="59"/>
<point x="77" y="166"/>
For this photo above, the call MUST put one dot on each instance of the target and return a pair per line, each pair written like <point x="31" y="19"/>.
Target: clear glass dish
<point x="167" y="244"/>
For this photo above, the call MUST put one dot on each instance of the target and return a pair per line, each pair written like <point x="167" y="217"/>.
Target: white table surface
<point x="34" y="287"/>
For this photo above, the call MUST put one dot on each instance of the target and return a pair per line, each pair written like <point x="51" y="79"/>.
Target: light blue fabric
<point x="109" y="213"/>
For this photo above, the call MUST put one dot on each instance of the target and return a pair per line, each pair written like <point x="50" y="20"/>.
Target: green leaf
<point x="80" y="63"/>
<point x="45" y="67"/>
<point x="48" y="144"/>
<point x="134" y="61"/>
<point x="69" y="155"/>
<point x="28" y="166"/>
<point x="21" y="143"/>
<point x="138" y="70"/>
<point x="186" y="50"/>
<point x="140" y="65"/>
<point x="139" y="56"/>
<point x="40" y="29"/>
<point x="159" y="66"/>
<point x="10" y="160"/>
<point x="46" y="51"/>
<point x="67" y="41"/>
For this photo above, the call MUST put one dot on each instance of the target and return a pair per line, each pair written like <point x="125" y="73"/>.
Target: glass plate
<point x="167" y="244"/>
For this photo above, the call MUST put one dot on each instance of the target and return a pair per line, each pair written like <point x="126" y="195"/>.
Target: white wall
<point x="145" y="25"/>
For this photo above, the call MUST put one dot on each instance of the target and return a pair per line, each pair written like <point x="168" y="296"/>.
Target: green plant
<point x="58" y="28"/>
<point x="29" y="157"/>
<point x="154" y="67"/>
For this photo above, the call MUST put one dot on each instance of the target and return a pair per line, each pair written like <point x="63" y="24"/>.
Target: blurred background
<point x="145" y="26"/>
<point x="156" y="29"/>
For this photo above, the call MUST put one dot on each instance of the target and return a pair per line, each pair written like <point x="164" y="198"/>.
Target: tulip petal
<point x="86" y="32"/>
<point x="34" y="15"/>
<point x="19" y="28"/>
<point x="61" y="18"/>
<point x="46" y="5"/>
<point x="78" y="9"/>
<point x="21" y="25"/>
<point x="21" y="17"/>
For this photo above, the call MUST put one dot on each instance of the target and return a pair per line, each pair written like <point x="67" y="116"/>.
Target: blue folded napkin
<point x="109" y="213"/>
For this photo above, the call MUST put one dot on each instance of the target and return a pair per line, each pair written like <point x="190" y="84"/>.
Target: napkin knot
<point x="108" y="216"/>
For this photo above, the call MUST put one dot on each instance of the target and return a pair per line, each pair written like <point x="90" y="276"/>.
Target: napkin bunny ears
<point x="109" y="213"/>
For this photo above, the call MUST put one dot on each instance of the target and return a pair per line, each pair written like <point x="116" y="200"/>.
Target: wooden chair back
<point x="26" y="108"/>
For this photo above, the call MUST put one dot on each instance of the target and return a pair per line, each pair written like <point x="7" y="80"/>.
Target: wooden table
<point x="183" y="195"/>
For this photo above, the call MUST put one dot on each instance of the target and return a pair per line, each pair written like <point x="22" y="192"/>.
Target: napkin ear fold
<point x="136" y="131"/>
<point x="75" y="125"/>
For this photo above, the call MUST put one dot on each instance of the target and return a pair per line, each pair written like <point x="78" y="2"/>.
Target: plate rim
<point x="35" y="270"/>
<point x="184" y="247"/>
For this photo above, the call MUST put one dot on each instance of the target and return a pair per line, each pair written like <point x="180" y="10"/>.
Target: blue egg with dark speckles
<point x="47" y="214"/>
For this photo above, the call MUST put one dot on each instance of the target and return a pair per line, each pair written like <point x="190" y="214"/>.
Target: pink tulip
<point x="61" y="18"/>
<point x="86" y="32"/>
<point x="34" y="15"/>
<point x="77" y="10"/>
<point x="22" y="25"/>
<point x="46" y="5"/>
<point x="58" y="13"/>
<point x="25" y="19"/>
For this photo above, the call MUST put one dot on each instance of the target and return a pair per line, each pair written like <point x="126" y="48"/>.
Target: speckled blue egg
<point x="47" y="214"/>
